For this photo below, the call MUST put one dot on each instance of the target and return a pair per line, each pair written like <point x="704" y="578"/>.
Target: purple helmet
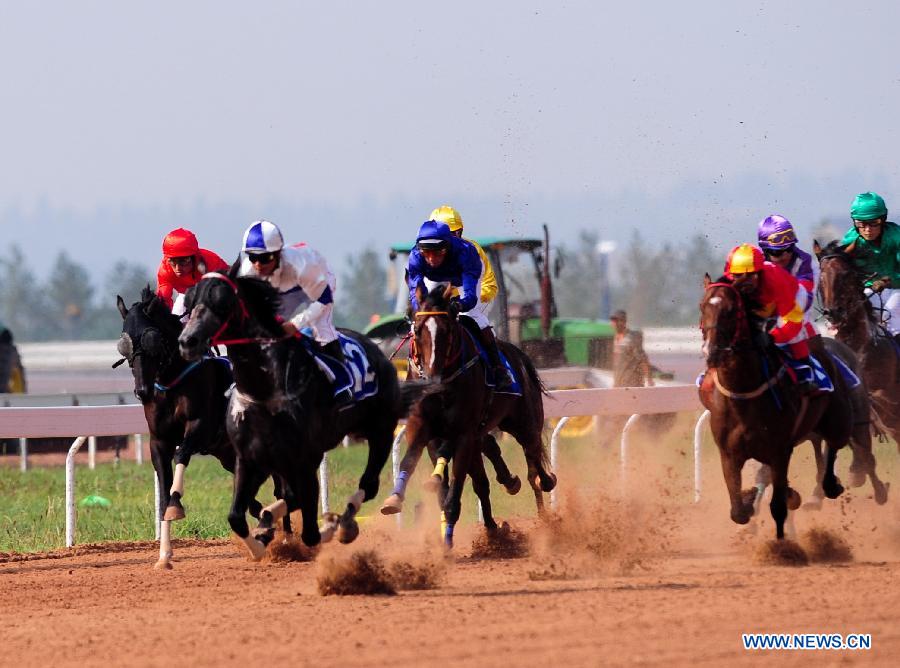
<point x="776" y="233"/>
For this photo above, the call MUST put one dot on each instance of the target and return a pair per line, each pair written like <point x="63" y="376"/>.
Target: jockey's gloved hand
<point x="454" y="307"/>
<point x="881" y="283"/>
<point x="763" y="340"/>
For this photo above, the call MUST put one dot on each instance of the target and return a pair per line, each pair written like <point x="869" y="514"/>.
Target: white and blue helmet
<point x="262" y="237"/>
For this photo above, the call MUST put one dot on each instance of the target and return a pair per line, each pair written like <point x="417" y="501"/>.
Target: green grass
<point x="32" y="515"/>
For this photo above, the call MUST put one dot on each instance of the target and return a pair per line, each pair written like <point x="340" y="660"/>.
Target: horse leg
<point x="162" y="464"/>
<point x="482" y="488"/>
<point x="417" y="437"/>
<point x="445" y="453"/>
<point x="380" y="440"/>
<point x="864" y="461"/>
<point x="491" y="450"/>
<point x="830" y="483"/>
<point x="780" y="490"/>
<point x="453" y="502"/>
<point x="818" y="494"/>
<point x="245" y="488"/>
<point x="741" y="502"/>
<point x="306" y="488"/>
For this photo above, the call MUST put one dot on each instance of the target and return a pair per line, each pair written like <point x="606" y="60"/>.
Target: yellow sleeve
<point x="489" y="286"/>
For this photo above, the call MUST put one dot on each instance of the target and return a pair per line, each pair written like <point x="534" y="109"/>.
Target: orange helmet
<point x="180" y="243"/>
<point x="744" y="259"/>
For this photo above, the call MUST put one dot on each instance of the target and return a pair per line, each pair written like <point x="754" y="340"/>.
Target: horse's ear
<point x="120" y="304"/>
<point x="848" y="249"/>
<point x="448" y="291"/>
<point x="706" y="280"/>
<point x="235" y="267"/>
<point x="817" y="249"/>
<point x="421" y="295"/>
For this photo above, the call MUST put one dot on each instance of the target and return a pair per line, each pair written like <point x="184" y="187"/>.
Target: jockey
<point x="439" y="256"/>
<point x="182" y="266"/>
<point x="292" y="270"/>
<point x="781" y="296"/>
<point x="877" y="253"/>
<point x="777" y="240"/>
<point x="447" y="214"/>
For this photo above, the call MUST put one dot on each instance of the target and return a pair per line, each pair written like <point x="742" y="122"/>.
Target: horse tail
<point x="532" y="374"/>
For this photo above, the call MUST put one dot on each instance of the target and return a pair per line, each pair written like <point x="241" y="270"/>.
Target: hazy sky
<point x="351" y="120"/>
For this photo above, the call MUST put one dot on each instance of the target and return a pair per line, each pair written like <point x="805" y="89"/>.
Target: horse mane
<point x="159" y="314"/>
<point x="435" y="300"/>
<point x="260" y="298"/>
<point x="835" y="248"/>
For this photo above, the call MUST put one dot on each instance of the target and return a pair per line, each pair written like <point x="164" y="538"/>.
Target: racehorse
<point x="755" y="412"/>
<point x="281" y="415"/>
<point x="461" y="409"/>
<point x="846" y="308"/>
<point x="184" y="403"/>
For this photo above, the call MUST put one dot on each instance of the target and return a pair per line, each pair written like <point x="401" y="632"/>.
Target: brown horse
<point x="755" y="411"/>
<point x="845" y="306"/>
<point x="460" y="410"/>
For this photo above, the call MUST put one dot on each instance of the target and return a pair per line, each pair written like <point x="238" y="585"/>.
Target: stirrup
<point x="502" y="380"/>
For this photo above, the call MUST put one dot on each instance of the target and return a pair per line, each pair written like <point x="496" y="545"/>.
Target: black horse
<point x="282" y="416"/>
<point x="184" y="403"/>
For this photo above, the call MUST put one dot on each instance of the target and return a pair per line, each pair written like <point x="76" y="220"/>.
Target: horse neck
<point x="744" y="370"/>
<point x="252" y="366"/>
<point x="857" y="333"/>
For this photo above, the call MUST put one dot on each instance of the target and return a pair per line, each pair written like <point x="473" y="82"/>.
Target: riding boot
<point x="503" y="381"/>
<point x="333" y="349"/>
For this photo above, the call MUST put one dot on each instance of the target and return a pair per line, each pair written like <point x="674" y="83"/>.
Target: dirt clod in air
<point x="826" y="546"/>
<point x="363" y="573"/>
<point x="781" y="553"/>
<point x="422" y="574"/>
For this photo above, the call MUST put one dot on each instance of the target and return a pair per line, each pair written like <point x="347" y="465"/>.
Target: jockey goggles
<point x="782" y="238"/>
<point x="260" y="258"/>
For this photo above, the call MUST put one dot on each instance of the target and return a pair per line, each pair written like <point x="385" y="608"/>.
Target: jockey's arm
<point x="414" y="277"/>
<point x="472" y="268"/>
<point x="312" y="277"/>
<point x="489" y="287"/>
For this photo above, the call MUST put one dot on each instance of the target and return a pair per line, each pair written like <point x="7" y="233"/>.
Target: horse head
<point x="723" y="319"/>
<point x="149" y="340"/>
<point x="435" y="329"/>
<point x="226" y="305"/>
<point x="840" y="285"/>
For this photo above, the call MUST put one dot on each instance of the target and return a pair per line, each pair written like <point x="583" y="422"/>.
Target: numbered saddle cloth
<point x="357" y="373"/>
<point x="823" y="382"/>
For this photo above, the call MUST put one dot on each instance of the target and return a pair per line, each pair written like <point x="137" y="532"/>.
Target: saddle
<point x="356" y="374"/>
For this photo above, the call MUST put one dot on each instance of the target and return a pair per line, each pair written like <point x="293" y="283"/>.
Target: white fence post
<point x="623" y="450"/>
<point x="323" y="483"/>
<point x="702" y="422"/>
<point x="139" y="449"/>
<point x="554" y="454"/>
<point x="92" y="452"/>
<point x="157" y="514"/>
<point x="70" y="490"/>
<point x="23" y="454"/>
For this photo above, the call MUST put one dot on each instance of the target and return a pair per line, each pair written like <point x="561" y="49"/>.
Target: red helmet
<point x="744" y="259"/>
<point x="180" y="243"/>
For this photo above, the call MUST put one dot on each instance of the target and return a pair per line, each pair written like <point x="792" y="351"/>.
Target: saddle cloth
<point x="357" y="373"/>
<point x="489" y="379"/>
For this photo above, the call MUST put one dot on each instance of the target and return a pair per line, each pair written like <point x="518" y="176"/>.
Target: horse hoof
<point x="434" y="483"/>
<point x="793" y="499"/>
<point x="513" y="485"/>
<point x="857" y="478"/>
<point x="743" y="516"/>
<point x="163" y="565"/>
<point x="264" y="536"/>
<point x="312" y="540"/>
<point x="815" y="503"/>
<point x="256" y="549"/>
<point x="347" y="532"/>
<point x="174" y="512"/>
<point x="546" y="485"/>
<point x="392" y="505"/>
<point x="881" y="493"/>
<point x="833" y="491"/>
<point x="328" y="528"/>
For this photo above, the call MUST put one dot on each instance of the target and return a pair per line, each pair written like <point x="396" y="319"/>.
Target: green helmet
<point x="868" y="206"/>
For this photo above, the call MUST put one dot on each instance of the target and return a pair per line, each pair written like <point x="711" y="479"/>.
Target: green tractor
<point x="524" y="311"/>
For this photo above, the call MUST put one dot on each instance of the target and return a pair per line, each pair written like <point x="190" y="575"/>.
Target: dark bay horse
<point x="845" y="306"/>
<point x="184" y="403"/>
<point x="460" y="410"/>
<point x="281" y="415"/>
<point x="756" y="411"/>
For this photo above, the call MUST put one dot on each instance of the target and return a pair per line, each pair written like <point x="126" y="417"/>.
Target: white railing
<point x="37" y="422"/>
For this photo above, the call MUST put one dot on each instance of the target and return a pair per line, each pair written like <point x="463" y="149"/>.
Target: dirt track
<point x="656" y="600"/>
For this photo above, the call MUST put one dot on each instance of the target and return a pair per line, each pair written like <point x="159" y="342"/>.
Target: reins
<point x="215" y="340"/>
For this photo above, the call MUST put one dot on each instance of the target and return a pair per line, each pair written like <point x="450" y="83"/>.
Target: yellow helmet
<point x="447" y="214"/>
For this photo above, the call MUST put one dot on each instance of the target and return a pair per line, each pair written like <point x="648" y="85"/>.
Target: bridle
<point x="245" y="314"/>
<point x="742" y="326"/>
<point x="829" y="314"/>
<point x="455" y="352"/>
